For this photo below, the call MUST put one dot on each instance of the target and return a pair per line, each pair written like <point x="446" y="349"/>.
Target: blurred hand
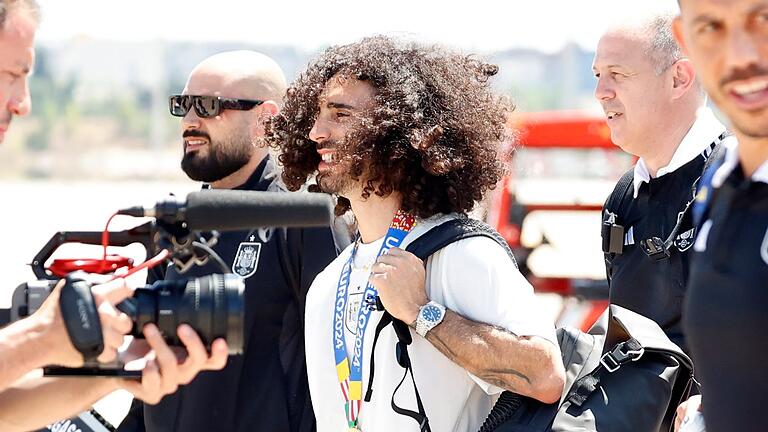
<point x="686" y="410"/>
<point x="114" y="324"/>
<point x="165" y="368"/>
<point x="399" y="277"/>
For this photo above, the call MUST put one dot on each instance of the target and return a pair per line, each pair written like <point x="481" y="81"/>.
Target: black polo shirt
<point x="650" y="287"/>
<point x="265" y="388"/>
<point x="726" y="312"/>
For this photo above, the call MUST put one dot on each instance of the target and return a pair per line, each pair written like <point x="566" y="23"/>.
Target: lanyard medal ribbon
<point x="350" y="372"/>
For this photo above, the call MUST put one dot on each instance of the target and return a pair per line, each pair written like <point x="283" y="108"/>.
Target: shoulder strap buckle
<point x="655" y="248"/>
<point x="622" y="353"/>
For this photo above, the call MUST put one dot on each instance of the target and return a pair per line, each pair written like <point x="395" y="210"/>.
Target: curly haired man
<point x="403" y="132"/>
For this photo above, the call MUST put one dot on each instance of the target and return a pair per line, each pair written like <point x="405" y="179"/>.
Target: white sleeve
<point x="475" y="278"/>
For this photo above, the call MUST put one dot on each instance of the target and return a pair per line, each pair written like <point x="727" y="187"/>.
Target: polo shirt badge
<point x="684" y="241"/>
<point x="247" y="259"/>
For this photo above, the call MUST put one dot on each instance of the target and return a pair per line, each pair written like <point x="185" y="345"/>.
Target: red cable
<point x="105" y="243"/>
<point x="157" y="259"/>
<point x="62" y="267"/>
<point x="149" y="263"/>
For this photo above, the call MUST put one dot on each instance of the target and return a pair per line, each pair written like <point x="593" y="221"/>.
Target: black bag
<point x="635" y="384"/>
<point x="623" y="375"/>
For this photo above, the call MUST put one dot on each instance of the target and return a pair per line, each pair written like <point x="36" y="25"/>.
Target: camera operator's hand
<point x="166" y="368"/>
<point x="114" y="324"/>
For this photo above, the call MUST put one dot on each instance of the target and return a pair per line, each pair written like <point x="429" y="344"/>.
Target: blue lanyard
<point x="351" y="375"/>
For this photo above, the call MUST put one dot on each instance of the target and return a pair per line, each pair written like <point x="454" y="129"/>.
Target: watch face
<point x="431" y="313"/>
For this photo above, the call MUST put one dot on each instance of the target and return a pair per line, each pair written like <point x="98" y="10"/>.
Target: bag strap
<point x="423" y="247"/>
<point x="619" y="191"/>
<point x="403" y="359"/>
<point x="453" y="231"/>
<point x="645" y="337"/>
<point x="610" y="362"/>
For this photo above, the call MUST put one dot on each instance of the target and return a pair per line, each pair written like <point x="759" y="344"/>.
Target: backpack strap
<point x="453" y="231"/>
<point x="423" y="247"/>
<point x="403" y="359"/>
<point x="619" y="191"/>
<point x="612" y="231"/>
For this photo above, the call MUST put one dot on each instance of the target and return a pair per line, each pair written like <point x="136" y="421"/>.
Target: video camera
<point x="182" y="232"/>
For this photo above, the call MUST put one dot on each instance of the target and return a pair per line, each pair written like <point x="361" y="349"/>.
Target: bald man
<point x="655" y="110"/>
<point x="225" y="104"/>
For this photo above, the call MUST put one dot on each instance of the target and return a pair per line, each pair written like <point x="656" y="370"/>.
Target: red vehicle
<point x="548" y="209"/>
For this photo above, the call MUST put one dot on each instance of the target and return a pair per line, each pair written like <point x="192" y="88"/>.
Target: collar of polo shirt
<point x="730" y="163"/>
<point x="702" y="134"/>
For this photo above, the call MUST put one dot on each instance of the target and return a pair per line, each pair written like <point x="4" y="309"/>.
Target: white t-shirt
<point x="473" y="277"/>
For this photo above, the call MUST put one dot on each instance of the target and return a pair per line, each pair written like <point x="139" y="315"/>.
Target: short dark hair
<point x="434" y="135"/>
<point x="29" y="6"/>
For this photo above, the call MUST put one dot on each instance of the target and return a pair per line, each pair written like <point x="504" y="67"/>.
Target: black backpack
<point x="622" y="375"/>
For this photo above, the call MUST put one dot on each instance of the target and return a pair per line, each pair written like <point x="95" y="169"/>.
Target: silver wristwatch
<point x="430" y="315"/>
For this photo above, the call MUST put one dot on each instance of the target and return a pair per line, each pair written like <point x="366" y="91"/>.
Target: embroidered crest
<point x="684" y="241"/>
<point x="350" y="315"/>
<point x="247" y="259"/>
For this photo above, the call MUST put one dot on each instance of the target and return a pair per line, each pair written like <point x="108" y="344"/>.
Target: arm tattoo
<point x="463" y="342"/>
<point x="441" y="346"/>
<point x="492" y="374"/>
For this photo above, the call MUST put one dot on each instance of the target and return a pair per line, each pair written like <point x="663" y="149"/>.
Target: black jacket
<point x="265" y="388"/>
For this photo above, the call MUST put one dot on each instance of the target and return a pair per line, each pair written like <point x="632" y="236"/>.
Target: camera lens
<point x="212" y="305"/>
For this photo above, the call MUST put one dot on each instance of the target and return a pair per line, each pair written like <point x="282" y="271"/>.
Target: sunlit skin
<point x="17" y="57"/>
<point x="343" y="104"/>
<point x="235" y="74"/>
<point x="648" y="113"/>
<point x="727" y="40"/>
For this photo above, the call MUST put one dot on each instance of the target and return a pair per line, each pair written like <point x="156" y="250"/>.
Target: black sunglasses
<point x="208" y="106"/>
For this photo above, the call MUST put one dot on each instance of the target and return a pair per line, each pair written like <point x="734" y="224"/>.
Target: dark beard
<point x="335" y="183"/>
<point x="222" y="159"/>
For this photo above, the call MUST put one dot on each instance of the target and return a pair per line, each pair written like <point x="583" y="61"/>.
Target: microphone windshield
<point x="235" y="210"/>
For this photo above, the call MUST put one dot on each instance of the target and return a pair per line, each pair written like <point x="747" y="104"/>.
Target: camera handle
<point x="81" y="317"/>
<point x="143" y="234"/>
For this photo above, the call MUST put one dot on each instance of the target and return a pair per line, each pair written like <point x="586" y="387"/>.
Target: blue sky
<point x="477" y="25"/>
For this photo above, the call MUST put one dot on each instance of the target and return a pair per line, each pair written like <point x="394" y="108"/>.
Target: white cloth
<point x="473" y="277"/>
<point x="702" y="133"/>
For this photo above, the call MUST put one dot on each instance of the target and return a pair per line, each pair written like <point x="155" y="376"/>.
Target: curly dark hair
<point x="434" y="134"/>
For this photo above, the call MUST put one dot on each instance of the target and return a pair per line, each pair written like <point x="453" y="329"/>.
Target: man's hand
<point x="164" y="368"/>
<point x="399" y="277"/>
<point x="114" y="324"/>
<point x="686" y="410"/>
